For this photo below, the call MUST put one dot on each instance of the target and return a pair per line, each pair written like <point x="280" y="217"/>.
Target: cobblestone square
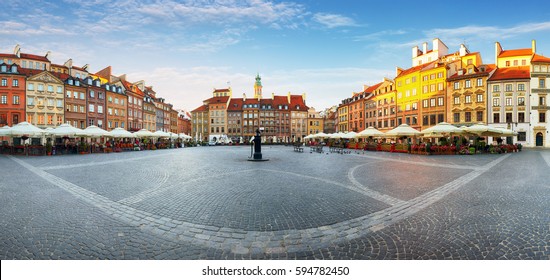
<point x="211" y="203"/>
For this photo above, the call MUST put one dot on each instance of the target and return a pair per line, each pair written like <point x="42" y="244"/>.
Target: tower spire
<point x="258" y="87"/>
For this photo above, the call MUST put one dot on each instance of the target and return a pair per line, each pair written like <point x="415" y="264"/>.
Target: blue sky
<point x="326" y="49"/>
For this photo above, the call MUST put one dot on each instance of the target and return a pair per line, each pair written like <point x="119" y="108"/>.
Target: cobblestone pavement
<point x="211" y="203"/>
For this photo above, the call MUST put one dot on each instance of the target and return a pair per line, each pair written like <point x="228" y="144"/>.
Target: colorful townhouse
<point x="96" y="108"/>
<point x="12" y="94"/>
<point x="509" y="88"/>
<point x="540" y="92"/>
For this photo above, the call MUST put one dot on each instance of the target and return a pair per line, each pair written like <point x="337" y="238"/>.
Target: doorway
<point x="539" y="139"/>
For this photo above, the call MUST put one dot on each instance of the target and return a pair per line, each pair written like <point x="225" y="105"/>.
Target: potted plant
<point x="49" y="147"/>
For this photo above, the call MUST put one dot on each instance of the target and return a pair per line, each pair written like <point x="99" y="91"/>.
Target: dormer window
<point x="97" y="84"/>
<point x="3" y="68"/>
<point x="70" y="82"/>
<point x="297" y="107"/>
<point x="77" y="82"/>
<point x="14" y="68"/>
<point x="107" y="87"/>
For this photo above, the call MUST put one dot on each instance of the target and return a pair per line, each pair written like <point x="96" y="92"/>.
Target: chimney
<point x="273" y="95"/>
<point x="69" y="63"/>
<point x="498" y="50"/>
<point x="398" y="71"/>
<point x="48" y="54"/>
<point x="86" y="66"/>
<point x="424" y="47"/>
<point x="122" y="77"/>
<point x="288" y="97"/>
<point x="17" y="51"/>
<point x="244" y="96"/>
<point x="414" y="51"/>
<point x="304" y="97"/>
<point x="463" y="51"/>
<point x="534" y="46"/>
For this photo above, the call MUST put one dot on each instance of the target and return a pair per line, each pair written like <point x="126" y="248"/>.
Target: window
<point x="440" y="75"/>
<point x="82" y="96"/>
<point x="440" y="86"/>
<point x="508" y="117"/>
<point x="59" y="89"/>
<point x="521" y="117"/>
<point x="479" y="116"/>
<point x="415" y="106"/>
<point x="50" y="119"/>
<point x="496" y="102"/>
<point x="521" y="87"/>
<point x="509" y="87"/>
<point x="432" y="76"/>
<point x="50" y="88"/>
<point x="59" y="103"/>
<point x="542" y="82"/>
<point x="456" y="117"/>
<point x="425" y="121"/>
<point x="425" y="103"/>
<point x="508" y="101"/>
<point x="432" y="102"/>
<point x="100" y="109"/>
<point x="92" y="93"/>
<point x="15" y="82"/>
<point x="457" y="85"/>
<point x="16" y="100"/>
<point x="4" y="99"/>
<point x="542" y="117"/>
<point x="432" y="88"/>
<point x="467" y="84"/>
<point x="468" y="117"/>
<point x="457" y="100"/>
<point x="440" y="118"/>
<point x="479" y="98"/>
<point x="432" y="120"/>
<point x="542" y="101"/>
<point x="521" y="101"/>
<point x="75" y="108"/>
<point x="467" y="99"/>
<point x="75" y="95"/>
<point x="479" y="82"/>
<point x="425" y="89"/>
<point x="110" y="99"/>
<point x="30" y="86"/>
<point x="440" y="101"/>
<point x="496" y="88"/>
<point x="82" y="109"/>
<point x="91" y="108"/>
<point x="4" y="82"/>
<point x="496" y="117"/>
<point x="30" y="101"/>
<point x="522" y="136"/>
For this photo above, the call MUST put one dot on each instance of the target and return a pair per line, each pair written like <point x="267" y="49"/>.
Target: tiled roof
<point x="540" y="58"/>
<point x="517" y="52"/>
<point x="201" y="109"/>
<point x="219" y="99"/>
<point x="511" y="73"/>
<point x="29" y="72"/>
<point x="8" y="55"/>
<point x="34" y="57"/>
<point x="372" y="88"/>
<point x="280" y="100"/>
<point x="488" y="69"/>
<point x="411" y="70"/>
<point x="235" y="104"/>
<point x="297" y="100"/>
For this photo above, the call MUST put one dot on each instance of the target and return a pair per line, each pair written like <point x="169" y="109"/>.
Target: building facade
<point x="540" y="92"/>
<point x="45" y="99"/>
<point x="12" y="95"/>
<point x="75" y="102"/>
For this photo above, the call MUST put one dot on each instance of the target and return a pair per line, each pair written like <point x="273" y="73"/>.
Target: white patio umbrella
<point x="143" y="133"/>
<point x="25" y="129"/>
<point x="350" y="135"/>
<point x="442" y="128"/>
<point x="94" y="131"/>
<point x="403" y="130"/>
<point x="67" y="130"/>
<point x="310" y="136"/>
<point x="173" y="135"/>
<point x="184" y="136"/>
<point x="370" y="132"/>
<point x="507" y="132"/>
<point x="337" y="135"/>
<point x="483" y="130"/>
<point x="161" y="134"/>
<point x="4" y="131"/>
<point x="120" y="132"/>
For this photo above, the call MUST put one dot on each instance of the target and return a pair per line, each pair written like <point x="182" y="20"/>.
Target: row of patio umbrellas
<point x="29" y="130"/>
<point x="441" y="129"/>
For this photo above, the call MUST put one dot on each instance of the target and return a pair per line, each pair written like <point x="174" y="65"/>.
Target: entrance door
<point x="539" y="140"/>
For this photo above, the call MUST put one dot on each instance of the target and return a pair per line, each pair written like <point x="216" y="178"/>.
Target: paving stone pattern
<point x="211" y="203"/>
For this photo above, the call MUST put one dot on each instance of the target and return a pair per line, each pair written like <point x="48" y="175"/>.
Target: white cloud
<point x="476" y="32"/>
<point x="333" y="20"/>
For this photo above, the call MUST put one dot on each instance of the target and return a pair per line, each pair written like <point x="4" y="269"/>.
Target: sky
<point x="325" y="49"/>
